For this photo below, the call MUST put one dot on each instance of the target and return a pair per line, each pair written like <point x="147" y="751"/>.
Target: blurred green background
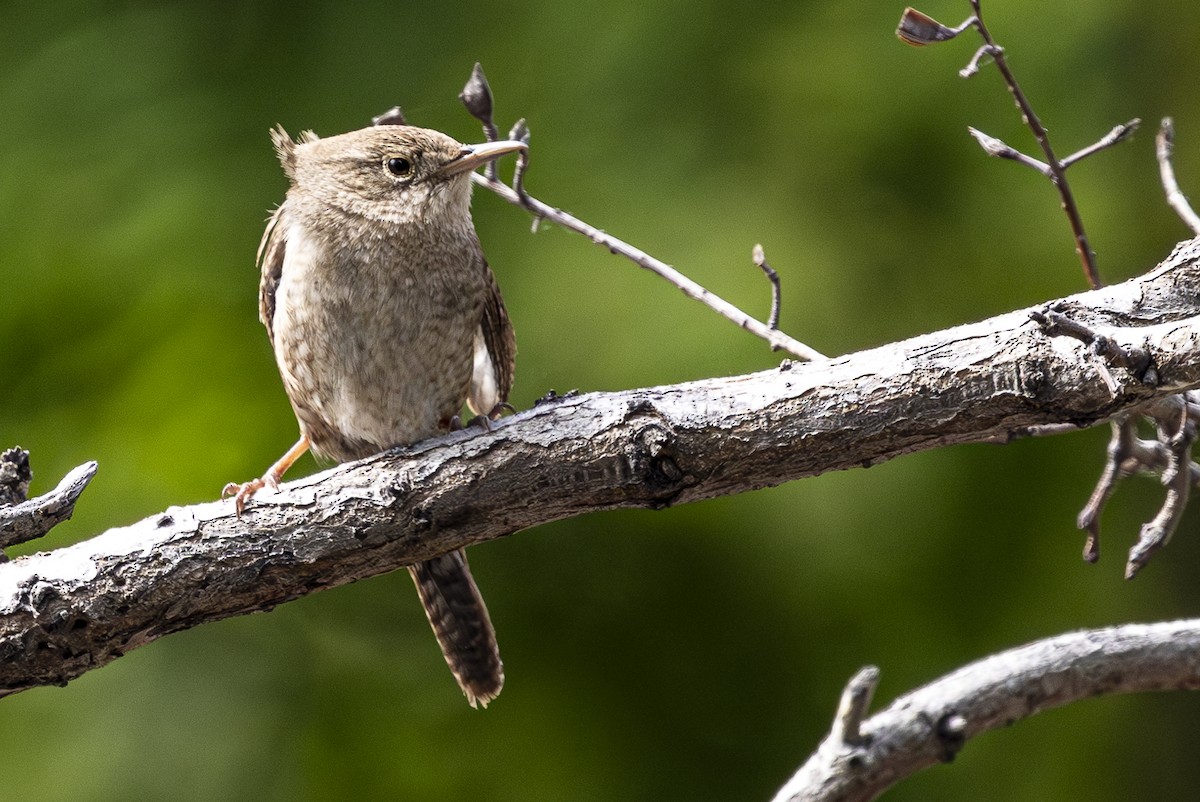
<point x="695" y="653"/>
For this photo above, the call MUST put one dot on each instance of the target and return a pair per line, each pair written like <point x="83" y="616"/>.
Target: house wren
<point x="385" y="318"/>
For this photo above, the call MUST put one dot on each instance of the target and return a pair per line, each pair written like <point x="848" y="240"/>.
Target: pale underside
<point x="373" y="364"/>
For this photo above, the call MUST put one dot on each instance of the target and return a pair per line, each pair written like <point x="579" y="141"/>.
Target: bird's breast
<point x="373" y="337"/>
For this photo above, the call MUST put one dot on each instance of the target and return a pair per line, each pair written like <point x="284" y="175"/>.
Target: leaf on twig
<point x="393" y="116"/>
<point x="918" y="29"/>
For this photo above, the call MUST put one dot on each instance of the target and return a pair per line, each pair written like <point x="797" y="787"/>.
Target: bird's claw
<point x="245" y="491"/>
<point x="482" y="421"/>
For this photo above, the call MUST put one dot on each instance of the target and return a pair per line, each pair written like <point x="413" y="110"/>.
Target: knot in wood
<point x="422" y="520"/>
<point x="36" y="594"/>
<point x="655" y="460"/>
<point x="951" y="730"/>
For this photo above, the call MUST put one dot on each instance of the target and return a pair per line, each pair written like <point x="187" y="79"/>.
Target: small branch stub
<point x="854" y="705"/>
<point x="1134" y="359"/>
<point x="15" y="476"/>
<point x="760" y="259"/>
<point x="520" y="133"/>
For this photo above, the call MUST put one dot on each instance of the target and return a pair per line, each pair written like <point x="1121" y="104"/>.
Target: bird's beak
<point x="473" y="156"/>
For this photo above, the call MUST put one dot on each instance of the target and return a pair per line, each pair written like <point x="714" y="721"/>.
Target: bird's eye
<point x="399" y="166"/>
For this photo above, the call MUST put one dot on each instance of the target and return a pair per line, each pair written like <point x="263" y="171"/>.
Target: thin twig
<point x="1132" y="358"/>
<point x="919" y="29"/>
<point x="691" y="289"/>
<point x="998" y="148"/>
<point x="982" y="52"/>
<point x="1177" y="433"/>
<point x="1175" y="198"/>
<point x="760" y="258"/>
<point x="477" y="97"/>
<point x="1057" y="174"/>
<point x="520" y="132"/>
<point x="1114" y="137"/>
<point x="1169" y="457"/>
<point x="1119" y="464"/>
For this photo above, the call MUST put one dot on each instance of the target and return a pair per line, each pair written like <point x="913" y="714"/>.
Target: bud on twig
<point x="477" y="97"/>
<point x="393" y="116"/>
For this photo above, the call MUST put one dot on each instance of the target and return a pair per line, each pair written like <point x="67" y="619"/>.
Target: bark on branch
<point x="929" y="725"/>
<point x="65" y="612"/>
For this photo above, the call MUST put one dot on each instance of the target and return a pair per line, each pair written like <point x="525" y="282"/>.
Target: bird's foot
<point x="271" y="479"/>
<point x="479" y="421"/>
<point x="482" y="421"/>
<point x="245" y="491"/>
<point x="501" y="408"/>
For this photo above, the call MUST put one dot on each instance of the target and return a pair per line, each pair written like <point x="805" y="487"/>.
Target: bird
<point x="385" y="318"/>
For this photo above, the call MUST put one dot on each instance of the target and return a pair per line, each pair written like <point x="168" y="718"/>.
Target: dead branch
<point x="919" y="29"/>
<point x="931" y="724"/>
<point x="477" y="98"/>
<point x="65" y="612"/>
<point x="31" y="519"/>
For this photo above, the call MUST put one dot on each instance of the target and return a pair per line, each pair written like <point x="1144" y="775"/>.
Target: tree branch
<point x="693" y="290"/>
<point x="931" y="724"/>
<point x="477" y="98"/>
<point x="1165" y="149"/>
<point x="919" y="29"/>
<point x="31" y="519"/>
<point x="65" y="612"/>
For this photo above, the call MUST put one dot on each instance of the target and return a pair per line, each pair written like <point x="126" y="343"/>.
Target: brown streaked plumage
<point x="385" y="318"/>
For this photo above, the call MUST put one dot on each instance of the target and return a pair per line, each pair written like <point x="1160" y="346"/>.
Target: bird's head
<point x="391" y="173"/>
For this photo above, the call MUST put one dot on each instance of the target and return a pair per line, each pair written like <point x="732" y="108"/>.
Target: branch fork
<point x="918" y="29"/>
<point x="1170" y="455"/>
<point x="930" y="725"/>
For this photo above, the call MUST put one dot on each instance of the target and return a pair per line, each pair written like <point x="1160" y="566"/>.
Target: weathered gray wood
<point x="931" y="724"/>
<point x="65" y="612"/>
<point x="30" y="519"/>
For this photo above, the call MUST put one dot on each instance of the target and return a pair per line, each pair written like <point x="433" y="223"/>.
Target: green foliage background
<point x="695" y="653"/>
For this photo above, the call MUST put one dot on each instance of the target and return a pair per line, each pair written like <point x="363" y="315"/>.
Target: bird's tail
<point x="460" y="621"/>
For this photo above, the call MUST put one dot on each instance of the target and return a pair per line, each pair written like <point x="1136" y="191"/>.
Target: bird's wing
<point x="495" y="352"/>
<point x="270" y="262"/>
